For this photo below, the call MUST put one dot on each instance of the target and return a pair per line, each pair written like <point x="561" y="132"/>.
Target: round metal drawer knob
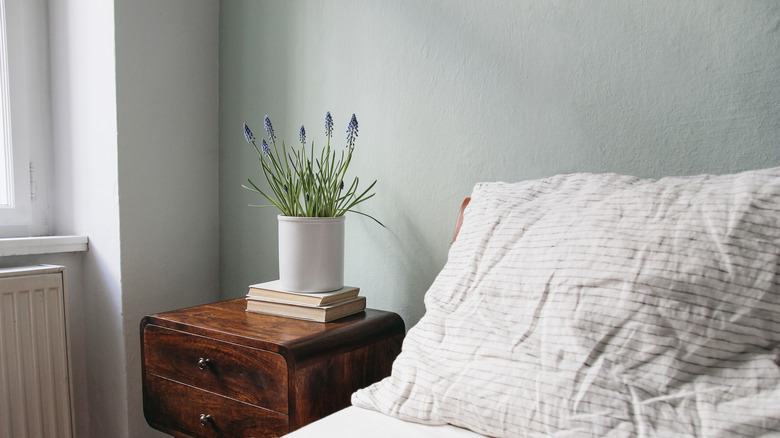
<point x="203" y="363"/>
<point x="205" y="419"/>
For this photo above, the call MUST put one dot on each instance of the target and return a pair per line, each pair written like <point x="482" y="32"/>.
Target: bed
<point x="594" y="305"/>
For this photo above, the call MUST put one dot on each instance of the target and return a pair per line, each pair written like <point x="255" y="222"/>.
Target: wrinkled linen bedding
<point x="602" y="305"/>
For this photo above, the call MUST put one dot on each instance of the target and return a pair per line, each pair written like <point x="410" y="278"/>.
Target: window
<point x="24" y="117"/>
<point x="6" y="156"/>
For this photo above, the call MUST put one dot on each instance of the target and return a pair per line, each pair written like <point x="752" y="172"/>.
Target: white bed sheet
<point x="354" y="422"/>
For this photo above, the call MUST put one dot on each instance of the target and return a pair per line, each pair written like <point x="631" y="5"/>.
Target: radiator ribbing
<point x="34" y="374"/>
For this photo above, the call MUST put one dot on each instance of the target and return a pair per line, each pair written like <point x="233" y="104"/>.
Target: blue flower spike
<point x="303" y="183"/>
<point x="269" y="129"/>
<point x="264" y="147"/>
<point x="328" y="124"/>
<point x="352" y="132"/>
<point x="248" y="134"/>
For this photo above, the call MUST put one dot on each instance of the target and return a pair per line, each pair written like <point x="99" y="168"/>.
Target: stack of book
<point x="270" y="299"/>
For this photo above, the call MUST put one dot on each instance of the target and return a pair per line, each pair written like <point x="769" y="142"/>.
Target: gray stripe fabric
<point x="602" y="305"/>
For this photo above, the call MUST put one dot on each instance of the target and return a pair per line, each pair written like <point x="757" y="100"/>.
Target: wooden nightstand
<point x="218" y="371"/>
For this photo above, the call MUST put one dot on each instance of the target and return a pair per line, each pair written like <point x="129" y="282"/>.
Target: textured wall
<point x="86" y="203"/>
<point x="167" y="102"/>
<point x="134" y="111"/>
<point x="452" y="92"/>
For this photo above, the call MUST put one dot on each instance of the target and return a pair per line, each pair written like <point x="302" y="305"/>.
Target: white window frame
<point x="29" y="102"/>
<point x="7" y="198"/>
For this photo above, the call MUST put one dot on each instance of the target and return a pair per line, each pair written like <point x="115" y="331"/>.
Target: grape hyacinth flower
<point x="352" y="132"/>
<point x="264" y="147"/>
<point x="303" y="183"/>
<point x="269" y="129"/>
<point x="248" y="134"/>
<point x="328" y="124"/>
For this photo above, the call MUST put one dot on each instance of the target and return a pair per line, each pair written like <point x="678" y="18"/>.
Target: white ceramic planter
<point x="311" y="253"/>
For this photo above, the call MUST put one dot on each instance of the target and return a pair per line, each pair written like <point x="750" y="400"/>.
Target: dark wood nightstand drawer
<point x="203" y="414"/>
<point x="243" y="373"/>
<point x="265" y="376"/>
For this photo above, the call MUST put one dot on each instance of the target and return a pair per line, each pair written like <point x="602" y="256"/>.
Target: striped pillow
<point x="602" y="304"/>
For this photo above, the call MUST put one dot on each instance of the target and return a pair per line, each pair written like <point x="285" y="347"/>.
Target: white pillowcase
<point x="602" y="304"/>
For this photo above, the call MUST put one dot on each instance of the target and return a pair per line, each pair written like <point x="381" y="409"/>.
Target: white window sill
<point x="42" y="245"/>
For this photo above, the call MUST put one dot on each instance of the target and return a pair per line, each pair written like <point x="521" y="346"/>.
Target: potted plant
<point x="310" y="192"/>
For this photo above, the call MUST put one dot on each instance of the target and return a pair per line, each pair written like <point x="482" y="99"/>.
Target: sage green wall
<point x="452" y="92"/>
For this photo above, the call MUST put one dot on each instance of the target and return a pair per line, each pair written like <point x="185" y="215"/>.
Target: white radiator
<point x="34" y="374"/>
